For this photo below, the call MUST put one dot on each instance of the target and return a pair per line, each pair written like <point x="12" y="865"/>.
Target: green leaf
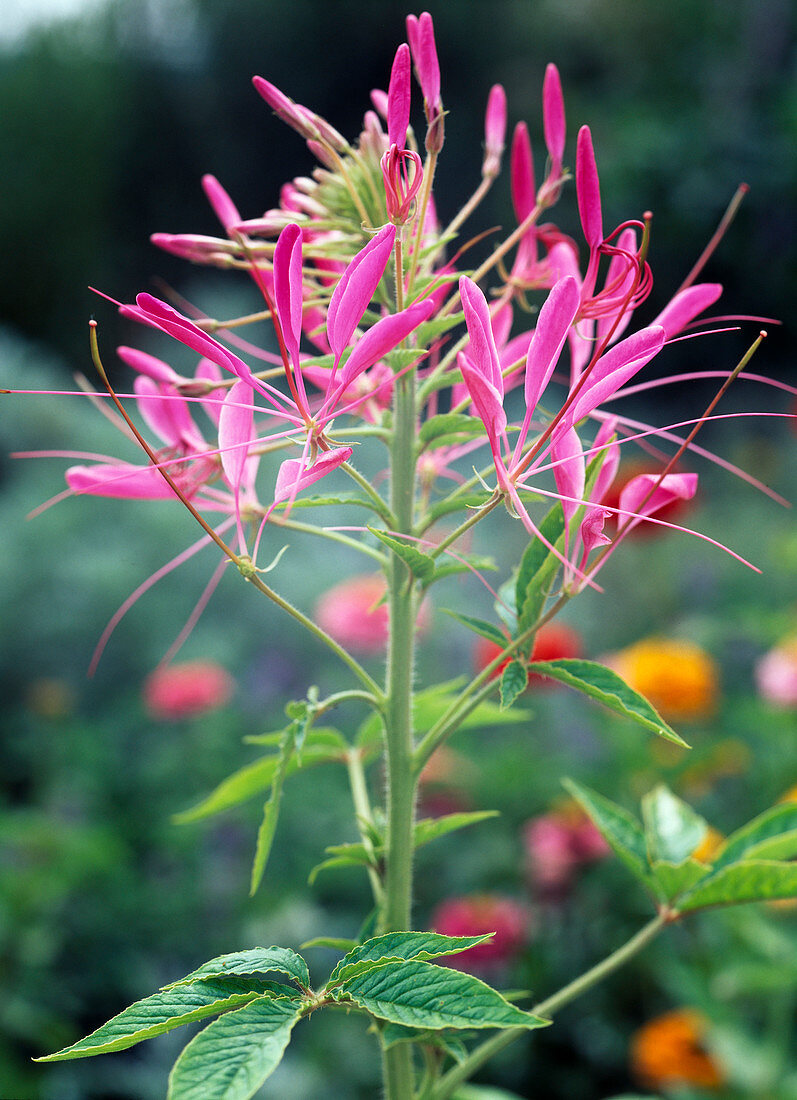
<point x="336" y="501"/>
<point x="771" y="835"/>
<point x="256" y="960"/>
<point x="328" y="743"/>
<point x="483" y="1092"/>
<point x="255" y="778"/>
<point x="158" y="1014"/>
<point x="605" y="686"/>
<point x="403" y="945"/>
<point x="233" y="1056"/>
<point x="419" y="564"/>
<point x="431" y="828"/>
<point x="422" y="994"/>
<point x="468" y="563"/>
<point x="675" y="878"/>
<point x="265" y="834"/>
<point x="514" y="680"/>
<point x="673" y="830"/>
<point x="621" y="829"/>
<point x="457" y="504"/>
<point x="479" y="626"/>
<point x="430" y="330"/>
<point x="331" y="942"/>
<point x="751" y="880"/>
<point x="335" y="863"/>
<point x="392" y="1034"/>
<point x="538" y="567"/>
<point x="400" y="358"/>
<point x="448" y="428"/>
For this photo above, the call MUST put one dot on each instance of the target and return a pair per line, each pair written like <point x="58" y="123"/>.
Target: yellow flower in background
<point x="668" y="1050"/>
<point x="790" y="795"/>
<point x="709" y="845"/>
<point x="679" y="678"/>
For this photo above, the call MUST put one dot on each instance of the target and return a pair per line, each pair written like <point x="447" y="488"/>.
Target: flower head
<point x="476" y="915"/>
<point x="174" y="692"/>
<point x="669" y="1051"/>
<point x="678" y="677"/>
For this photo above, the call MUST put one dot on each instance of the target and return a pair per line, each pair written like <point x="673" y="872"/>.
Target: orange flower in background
<point x="709" y="845"/>
<point x="351" y="612"/>
<point x="553" y="640"/>
<point x="186" y="690"/>
<point x="679" y="678"/>
<point x="668" y="1050"/>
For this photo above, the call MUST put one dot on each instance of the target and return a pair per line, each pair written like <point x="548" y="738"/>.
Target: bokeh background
<point x="109" y="115"/>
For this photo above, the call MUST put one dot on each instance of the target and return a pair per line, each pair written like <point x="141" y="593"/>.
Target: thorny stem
<point x="243" y="564"/>
<point x="490" y="1047"/>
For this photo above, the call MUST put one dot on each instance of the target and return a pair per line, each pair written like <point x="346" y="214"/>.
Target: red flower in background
<point x="552" y="641"/>
<point x="672" y="512"/>
<point x="476" y="915"/>
<point x="558" y="843"/>
<point x="351" y="612"/>
<point x="185" y="690"/>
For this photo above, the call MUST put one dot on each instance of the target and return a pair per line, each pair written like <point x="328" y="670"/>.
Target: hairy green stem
<point x="362" y="808"/>
<point x="490" y="1047"/>
<point x="396" y="912"/>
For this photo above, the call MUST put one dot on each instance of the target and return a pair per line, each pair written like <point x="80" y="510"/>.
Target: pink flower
<point x="186" y="690"/>
<point x="351" y="612"/>
<point x="494" y="131"/>
<point x="776" y="674"/>
<point x="558" y="843"/>
<point x="476" y="915"/>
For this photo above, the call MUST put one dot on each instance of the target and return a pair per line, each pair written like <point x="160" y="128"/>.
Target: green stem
<point x="396" y="913"/>
<point x="490" y="1047"/>
<point x="333" y="536"/>
<point x="362" y="807"/>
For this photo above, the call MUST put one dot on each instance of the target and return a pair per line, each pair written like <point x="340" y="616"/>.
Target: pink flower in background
<point x="476" y="915"/>
<point x="557" y="844"/>
<point x="186" y="690"/>
<point x="776" y="674"/>
<point x="352" y="614"/>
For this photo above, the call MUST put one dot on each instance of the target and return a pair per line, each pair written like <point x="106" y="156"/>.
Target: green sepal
<point x="514" y="681"/>
<point x="232" y="1057"/>
<point x="423" y="994"/>
<point x="607" y="687"/>
<point x="404" y="946"/>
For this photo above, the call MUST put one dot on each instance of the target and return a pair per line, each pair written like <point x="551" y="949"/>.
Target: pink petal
<point x="588" y="189"/>
<point x="288" y="287"/>
<point x="236" y="428"/>
<point x="553" y="117"/>
<point x="398" y="98"/>
<point x="611" y="458"/>
<point x="556" y="316"/>
<point x="620" y="277"/>
<point x="223" y="206"/>
<point x="149" y="365"/>
<point x="591" y="531"/>
<point x="686" y="305"/>
<point x="494" y="130"/>
<point x="382" y="338"/>
<point x="614" y="369"/>
<point x="482" y="349"/>
<point x="293" y="477"/>
<point x="569" y="469"/>
<point x="209" y="372"/>
<point x="120" y="480"/>
<point x="673" y="487"/>
<point x="166" y="415"/>
<point x="524" y="192"/>
<point x="356" y="288"/>
<point x="487" y="400"/>
<point x="420" y="32"/>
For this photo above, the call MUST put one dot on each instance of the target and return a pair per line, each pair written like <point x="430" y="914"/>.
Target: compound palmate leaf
<point x="158" y="1014"/>
<point x="235" y="1054"/>
<point x="422" y="994"/>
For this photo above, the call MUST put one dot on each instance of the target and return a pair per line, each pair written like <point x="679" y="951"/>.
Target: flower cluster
<point x="362" y="288"/>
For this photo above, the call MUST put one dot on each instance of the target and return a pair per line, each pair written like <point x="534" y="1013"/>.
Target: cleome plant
<point x="487" y="380"/>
